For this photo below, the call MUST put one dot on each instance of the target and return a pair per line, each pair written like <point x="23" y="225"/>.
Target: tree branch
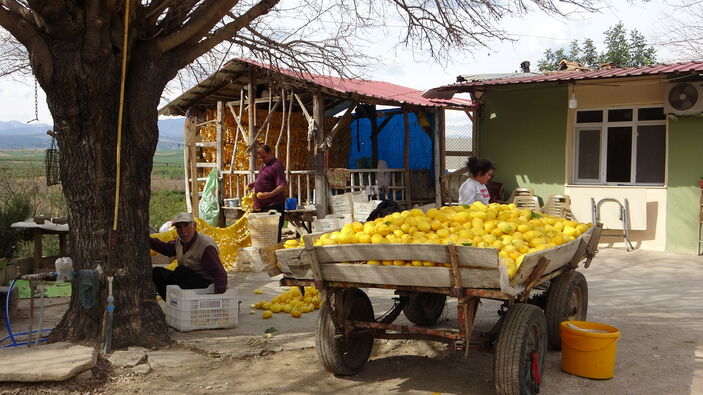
<point x="228" y="30"/>
<point x="24" y="31"/>
<point x="200" y="22"/>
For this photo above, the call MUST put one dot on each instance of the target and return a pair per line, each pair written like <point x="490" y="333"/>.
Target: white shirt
<point x="471" y="191"/>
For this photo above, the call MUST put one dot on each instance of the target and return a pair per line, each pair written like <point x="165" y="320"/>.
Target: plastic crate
<point x="249" y="260"/>
<point x="362" y="210"/>
<point x="341" y="204"/>
<point x="263" y="228"/>
<point x="191" y="309"/>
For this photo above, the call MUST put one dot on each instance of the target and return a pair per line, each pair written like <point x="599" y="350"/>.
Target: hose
<point x="8" y="325"/>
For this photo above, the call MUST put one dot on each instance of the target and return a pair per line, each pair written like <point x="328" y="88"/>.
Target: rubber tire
<point x="567" y="300"/>
<point x="522" y="332"/>
<point x="424" y="308"/>
<point x="345" y="358"/>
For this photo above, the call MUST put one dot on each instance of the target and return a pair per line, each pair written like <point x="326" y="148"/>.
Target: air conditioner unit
<point x="684" y="98"/>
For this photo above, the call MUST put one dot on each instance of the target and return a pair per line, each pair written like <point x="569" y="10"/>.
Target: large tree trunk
<point x="85" y="112"/>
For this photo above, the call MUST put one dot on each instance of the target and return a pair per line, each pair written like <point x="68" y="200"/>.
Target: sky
<point x="534" y="33"/>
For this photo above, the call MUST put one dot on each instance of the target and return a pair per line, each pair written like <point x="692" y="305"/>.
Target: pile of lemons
<point x="512" y="231"/>
<point x="291" y="301"/>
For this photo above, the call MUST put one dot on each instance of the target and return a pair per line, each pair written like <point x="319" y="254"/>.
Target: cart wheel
<point x="521" y="345"/>
<point x="567" y="300"/>
<point x="424" y="308"/>
<point x="342" y="356"/>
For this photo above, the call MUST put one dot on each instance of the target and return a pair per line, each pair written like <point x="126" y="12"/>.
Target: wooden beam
<point x="238" y="121"/>
<point x="437" y="164"/>
<point x="318" y="110"/>
<point x="406" y="160"/>
<point x="187" y="126"/>
<point x="218" y="131"/>
<point x="252" y="125"/>
<point x="342" y="123"/>
<point x="266" y="122"/>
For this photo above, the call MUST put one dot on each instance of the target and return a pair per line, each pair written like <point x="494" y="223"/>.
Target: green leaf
<point x="466" y="244"/>
<point x="271" y="330"/>
<point x="535" y="215"/>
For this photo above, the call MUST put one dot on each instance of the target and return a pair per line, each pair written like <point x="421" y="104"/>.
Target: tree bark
<point x="85" y="112"/>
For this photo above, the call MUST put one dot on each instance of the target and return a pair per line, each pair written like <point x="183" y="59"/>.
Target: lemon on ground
<point x="267" y="314"/>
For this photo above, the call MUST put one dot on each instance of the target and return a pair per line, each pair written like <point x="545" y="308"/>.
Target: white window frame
<point x="603" y="127"/>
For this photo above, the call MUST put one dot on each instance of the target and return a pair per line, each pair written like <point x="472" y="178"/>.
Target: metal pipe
<point x="109" y="309"/>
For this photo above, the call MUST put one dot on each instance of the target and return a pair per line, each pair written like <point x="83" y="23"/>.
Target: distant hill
<point x="20" y="135"/>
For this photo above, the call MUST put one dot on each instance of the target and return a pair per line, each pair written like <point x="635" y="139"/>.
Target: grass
<point x="22" y="173"/>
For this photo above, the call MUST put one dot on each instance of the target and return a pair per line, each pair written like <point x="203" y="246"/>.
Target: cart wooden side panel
<point x="478" y="266"/>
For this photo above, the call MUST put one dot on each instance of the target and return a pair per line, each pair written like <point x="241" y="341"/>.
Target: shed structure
<point x="305" y="119"/>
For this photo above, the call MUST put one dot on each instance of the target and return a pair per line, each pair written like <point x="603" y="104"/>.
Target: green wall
<point x="685" y="169"/>
<point x="522" y="130"/>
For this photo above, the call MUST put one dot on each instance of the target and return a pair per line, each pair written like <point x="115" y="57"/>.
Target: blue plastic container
<point x="291" y="203"/>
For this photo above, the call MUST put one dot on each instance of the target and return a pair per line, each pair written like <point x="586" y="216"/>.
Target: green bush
<point x="15" y="209"/>
<point x="164" y="205"/>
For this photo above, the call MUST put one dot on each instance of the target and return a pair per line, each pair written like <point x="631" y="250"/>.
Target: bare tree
<point x="681" y="30"/>
<point x="75" y="50"/>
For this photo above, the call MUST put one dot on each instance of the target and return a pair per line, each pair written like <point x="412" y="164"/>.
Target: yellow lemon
<point x="267" y="314"/>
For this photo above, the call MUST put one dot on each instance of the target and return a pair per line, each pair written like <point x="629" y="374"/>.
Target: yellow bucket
<point x="588" y="349"/>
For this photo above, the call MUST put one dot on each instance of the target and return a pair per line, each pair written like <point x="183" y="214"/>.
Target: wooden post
<point x="38" y="251"/>
<point x="318" y="114"/>
<point x="437" y="163"/>
<point x="186" y="161"/>
<point x="288" y="161"/>
<point x="191" y="167"/>
<point x="218" y="129"/>
<point x="251" y="98"/>
<point x="62" y="244"/>
<point x="220" y="167"/>
<point x="406" y="161"/>
<point x="375" y="131"/>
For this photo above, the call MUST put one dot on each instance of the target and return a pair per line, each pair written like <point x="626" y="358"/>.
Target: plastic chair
<point x="531" y="202"/>
<point x="520" y="192"/>
<point x="558" y="206"/>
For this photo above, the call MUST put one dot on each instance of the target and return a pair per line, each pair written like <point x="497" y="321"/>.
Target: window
<point x="620" y="146"/>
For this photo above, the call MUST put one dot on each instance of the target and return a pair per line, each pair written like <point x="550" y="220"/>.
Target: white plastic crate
<point x="249" y="260"/>
<point x="263" y="228"/>
<point x="362" y="210"/>
<point x="341" y="204"/>
<point x="191" y="309"/>
<point x="331" y="222"/>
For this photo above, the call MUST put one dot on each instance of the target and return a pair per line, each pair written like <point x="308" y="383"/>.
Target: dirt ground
<point x="653" y="298"/>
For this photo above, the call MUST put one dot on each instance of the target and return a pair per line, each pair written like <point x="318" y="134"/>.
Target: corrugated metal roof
<point x="677" y="68"/>
<point x="379" y="92"/>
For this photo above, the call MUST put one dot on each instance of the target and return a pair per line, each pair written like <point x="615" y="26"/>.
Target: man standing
<point x="270" y="185"/>
<point x="198" y="259"/>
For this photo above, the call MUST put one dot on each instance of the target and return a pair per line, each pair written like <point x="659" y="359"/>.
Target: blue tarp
<point x="391" y="142"/>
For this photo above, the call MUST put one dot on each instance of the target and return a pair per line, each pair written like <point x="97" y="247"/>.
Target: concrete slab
<point x="127" y="358"/>
<point x="51" y="362"/>
<point x="172" y="358"/>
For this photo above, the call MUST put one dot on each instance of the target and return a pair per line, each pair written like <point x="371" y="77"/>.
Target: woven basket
<point x="263" y="228"/>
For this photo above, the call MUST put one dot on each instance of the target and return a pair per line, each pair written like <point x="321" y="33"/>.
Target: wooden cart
<point x="347" y="325"/>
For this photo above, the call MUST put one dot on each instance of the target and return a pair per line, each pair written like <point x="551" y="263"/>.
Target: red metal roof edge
<point x="370" y="88"/>
<point x="675" y="68"/>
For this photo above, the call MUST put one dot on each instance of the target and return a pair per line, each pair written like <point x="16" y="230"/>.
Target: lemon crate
<point x="263" y="228"/>
<point x="191" y="309"/>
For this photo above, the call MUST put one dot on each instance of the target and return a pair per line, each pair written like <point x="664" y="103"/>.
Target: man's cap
<point x="183" y="217"/>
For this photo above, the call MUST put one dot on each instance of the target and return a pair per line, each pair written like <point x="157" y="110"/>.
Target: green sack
<point x="210" y="203"/>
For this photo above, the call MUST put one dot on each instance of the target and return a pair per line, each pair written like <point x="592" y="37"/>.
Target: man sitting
<point x="198" y="259"/>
